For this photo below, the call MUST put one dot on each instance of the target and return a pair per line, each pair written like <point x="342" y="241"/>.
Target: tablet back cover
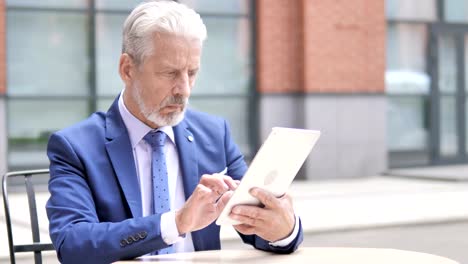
<point x="274" y="166"/>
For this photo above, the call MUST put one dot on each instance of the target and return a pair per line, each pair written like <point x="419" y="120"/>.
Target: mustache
<point x="175" y="100"/>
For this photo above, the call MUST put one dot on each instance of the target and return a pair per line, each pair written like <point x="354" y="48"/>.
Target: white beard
<point x="154" y="116"/>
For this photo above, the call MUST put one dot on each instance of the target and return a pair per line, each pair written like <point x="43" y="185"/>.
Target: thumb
<point x="223" y="200"/>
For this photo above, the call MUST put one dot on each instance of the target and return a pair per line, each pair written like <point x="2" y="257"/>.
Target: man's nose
<point x="183" y="85"/>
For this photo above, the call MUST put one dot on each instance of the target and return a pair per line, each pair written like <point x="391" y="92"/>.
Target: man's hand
<point x="206" y="202"/>
<point x="273" y="222"/>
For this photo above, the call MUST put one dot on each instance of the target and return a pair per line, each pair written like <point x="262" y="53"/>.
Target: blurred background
<point x="384" y="80"/>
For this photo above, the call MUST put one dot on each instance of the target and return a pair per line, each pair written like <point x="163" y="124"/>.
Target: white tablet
<point x="273" y="168"/>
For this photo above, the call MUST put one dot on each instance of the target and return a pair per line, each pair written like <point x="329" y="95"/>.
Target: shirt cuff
<point x="169" y="231"/>
<point x="286" y="241"/>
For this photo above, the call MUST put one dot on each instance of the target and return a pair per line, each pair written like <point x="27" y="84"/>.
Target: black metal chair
<point x="37" y="247"/>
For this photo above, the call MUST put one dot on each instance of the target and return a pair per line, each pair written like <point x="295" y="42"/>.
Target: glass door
<point x="449" y="55"/>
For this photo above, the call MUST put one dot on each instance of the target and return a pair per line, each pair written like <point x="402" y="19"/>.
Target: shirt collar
<point x="137" y="129"/>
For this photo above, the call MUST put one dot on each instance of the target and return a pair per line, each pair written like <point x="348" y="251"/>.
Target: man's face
<point x="160" y="86"/>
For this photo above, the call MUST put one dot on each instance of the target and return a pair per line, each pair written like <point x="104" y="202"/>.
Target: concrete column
<point x="353" y="140"/>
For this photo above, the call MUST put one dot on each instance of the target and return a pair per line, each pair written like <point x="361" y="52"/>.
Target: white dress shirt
<point x="142" y="154"/>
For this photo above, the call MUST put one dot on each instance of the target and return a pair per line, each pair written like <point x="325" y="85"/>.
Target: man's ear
<point x="126" y="66"/>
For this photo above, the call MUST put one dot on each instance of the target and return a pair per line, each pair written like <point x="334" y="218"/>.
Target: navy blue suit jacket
<point x="94" y="211"/>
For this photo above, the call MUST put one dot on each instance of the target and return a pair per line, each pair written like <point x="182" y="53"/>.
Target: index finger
<point x="214" y="182"/>
<point x="265" y="197"/>
<point x="230" y="182"/>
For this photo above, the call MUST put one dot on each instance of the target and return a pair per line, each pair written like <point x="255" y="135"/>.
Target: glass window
<point x="411" y="9"/>
<point x="28" y="136"/>
<point x="447" y="71"/>
<point x="456" y="11"/>
<point x="447" y="66"/>
<point x="216" y="6"/>
<point x="201" y="6"/>
<point x="117" y="5"/>
<point x="234" y="110"/>
<point x="406" y="46"/>
<point x="407" y="130"/>
<point x="448" y="126"/>
<point x="466" y="63"/>
<point x="48" y="3"/>
<point x="466" y="89"/>
<point x="466" y="122"/>
<point x="52" y="48"/>
<point x="49" y="115"/>
<point x="406" y="59"/>
<point x="104" y="104"/>
<point x="108" y="50"/>
<point x="226" y="57"/>
<point x="408" y="86"/>
<point x="47" y="53"/>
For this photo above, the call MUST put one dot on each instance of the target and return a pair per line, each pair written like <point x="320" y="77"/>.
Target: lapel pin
<point x="190" y="138"/>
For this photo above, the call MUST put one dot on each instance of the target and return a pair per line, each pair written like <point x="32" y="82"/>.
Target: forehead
<point x="173" y="49"/>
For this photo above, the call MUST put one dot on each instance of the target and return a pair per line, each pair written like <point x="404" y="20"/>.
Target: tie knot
<point x="155" y="139"/>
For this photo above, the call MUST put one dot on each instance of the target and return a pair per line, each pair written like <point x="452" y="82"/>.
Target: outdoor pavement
<point x="325" y="207"/>
<point x="443" y="173"/>
<point x="376" y="201"/>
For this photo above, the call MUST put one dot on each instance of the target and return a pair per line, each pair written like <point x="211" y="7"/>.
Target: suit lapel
<point x="186" y="143"/>
<point x="120" y="152"/>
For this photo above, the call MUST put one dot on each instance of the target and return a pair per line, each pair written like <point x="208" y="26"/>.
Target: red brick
<point x="327" y="46"/>
<point x="280" y="46"/>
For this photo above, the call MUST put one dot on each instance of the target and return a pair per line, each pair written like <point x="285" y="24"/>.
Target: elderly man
<point x="144" y="178"/>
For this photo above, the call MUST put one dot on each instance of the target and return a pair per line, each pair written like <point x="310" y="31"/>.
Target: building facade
<point x="383" y="80"/>
<point x="325" y="70"/>
<point x="426" y="82"/>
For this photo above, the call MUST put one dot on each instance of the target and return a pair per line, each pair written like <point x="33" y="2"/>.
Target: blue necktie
<point x="161" y="202"/>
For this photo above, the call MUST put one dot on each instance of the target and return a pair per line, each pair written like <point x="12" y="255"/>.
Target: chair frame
<point x="37" y="247"/>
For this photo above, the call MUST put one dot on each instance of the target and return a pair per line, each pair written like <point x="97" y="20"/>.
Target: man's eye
<point x="192" y="73"/>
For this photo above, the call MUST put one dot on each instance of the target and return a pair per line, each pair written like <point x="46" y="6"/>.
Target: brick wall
<point x="326" y="46"/>
<point x="280" y="46"/>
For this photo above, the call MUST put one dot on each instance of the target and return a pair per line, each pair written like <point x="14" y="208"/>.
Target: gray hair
<point x="159" y="17"/>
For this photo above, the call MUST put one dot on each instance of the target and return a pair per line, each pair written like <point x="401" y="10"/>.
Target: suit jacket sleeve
<point x="237" y="169"/>
<point x="75" y="228"/>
